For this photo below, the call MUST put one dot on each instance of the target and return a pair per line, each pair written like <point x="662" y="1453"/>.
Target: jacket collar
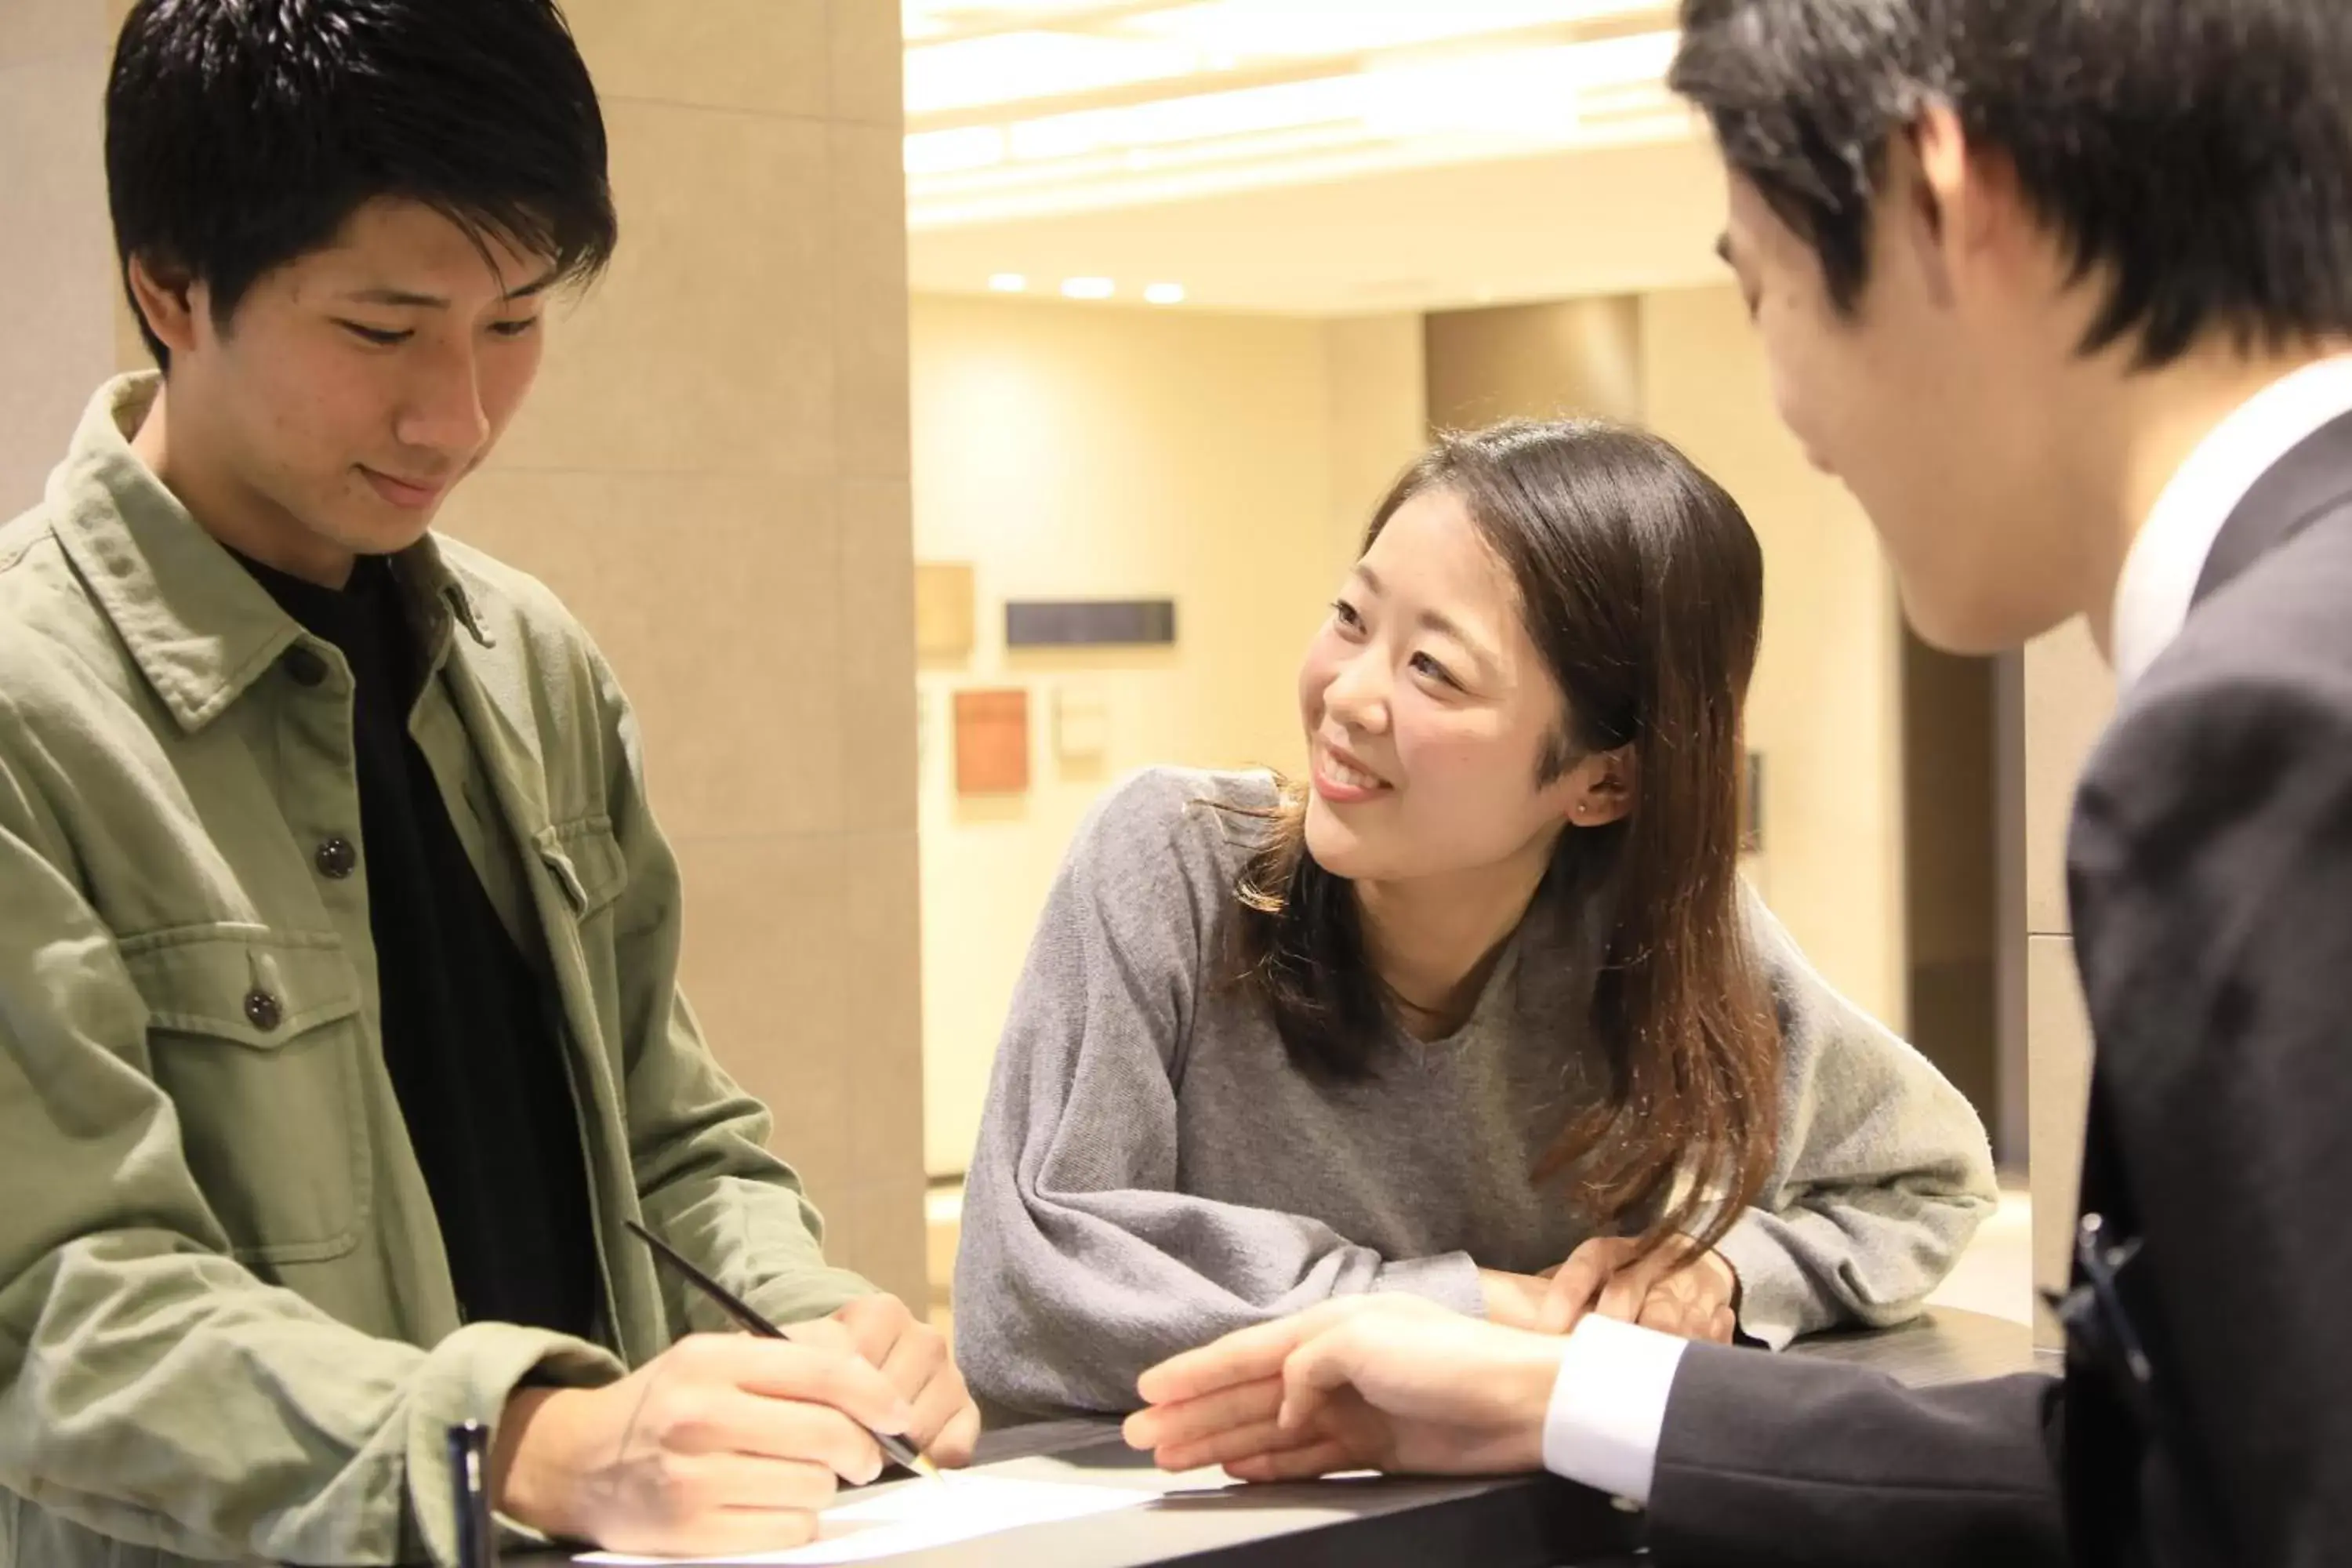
<point x="200" y="629"/>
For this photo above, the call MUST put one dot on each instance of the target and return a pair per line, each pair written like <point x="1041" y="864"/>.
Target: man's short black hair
<point x="241" y="134"/>
<point x="2196" y="153"/>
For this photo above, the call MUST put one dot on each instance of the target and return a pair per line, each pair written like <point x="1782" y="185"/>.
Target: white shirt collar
<point x="2160" y="574"/>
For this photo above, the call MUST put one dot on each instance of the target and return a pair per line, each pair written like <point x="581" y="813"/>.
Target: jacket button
<point x="336" y="858"/>
<point x="261" y="1010"/>
<point x="303" y="667"/>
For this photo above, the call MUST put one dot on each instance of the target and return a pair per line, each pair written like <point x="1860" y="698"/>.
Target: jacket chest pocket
<point x="259" y="1040"/>
<point x="586" y="872"/>
<point x="586" y="863"/>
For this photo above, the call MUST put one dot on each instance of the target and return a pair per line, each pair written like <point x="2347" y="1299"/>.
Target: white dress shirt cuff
<point x="1609" y="1406"/>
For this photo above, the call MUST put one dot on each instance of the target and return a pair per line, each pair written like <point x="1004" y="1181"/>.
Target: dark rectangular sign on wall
<point x="1082" y="623"/>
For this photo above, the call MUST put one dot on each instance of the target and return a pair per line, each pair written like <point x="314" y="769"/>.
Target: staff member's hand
<point x="914" y="1356"/>
<point x="724" y="1444"/>
<point x="1682" y="1288"/>
<point x="1382" y="1382"/>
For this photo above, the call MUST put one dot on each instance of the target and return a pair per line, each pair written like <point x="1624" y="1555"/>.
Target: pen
<point x="476" y="1539"/>
<point x="900" y="1451"/>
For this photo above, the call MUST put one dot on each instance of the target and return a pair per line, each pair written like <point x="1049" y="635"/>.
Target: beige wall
<point x="1093" y="452"/>
<point x="713" y="474"/>
<point x="58" y="310"/>
<point x="1536" y="362"/>
<point x="1378" y="409"/>
<point x="1949" y="765"/>
<point x="2068" y="693"/>
<point x="1951" y="883"/>
<point x="1825" y="709"/>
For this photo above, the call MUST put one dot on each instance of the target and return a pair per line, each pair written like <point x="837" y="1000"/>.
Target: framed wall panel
<point x="943" y="609"/>
<point x="991" y="742"/>
<point x="1081" y="722"/>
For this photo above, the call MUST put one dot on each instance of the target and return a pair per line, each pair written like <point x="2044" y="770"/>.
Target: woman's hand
<point x="1682" y="1288"/>
<point x="1515" y="1301"/>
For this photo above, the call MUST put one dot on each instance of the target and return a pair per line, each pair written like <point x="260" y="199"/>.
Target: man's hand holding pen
<point x="725" y="1443"/>
<point x="914" y="1357"/>
<point x="729" y="1443"/>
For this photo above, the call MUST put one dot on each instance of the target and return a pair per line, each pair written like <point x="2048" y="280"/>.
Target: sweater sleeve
<point x="1883" y="1174"/>
<point x="1082" y="1262"/>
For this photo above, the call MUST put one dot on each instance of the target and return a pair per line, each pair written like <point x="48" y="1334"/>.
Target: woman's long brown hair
<point x="1641" y="583"/>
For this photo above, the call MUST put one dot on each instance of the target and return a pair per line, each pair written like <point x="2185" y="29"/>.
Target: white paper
<point x="919" y="1514"/>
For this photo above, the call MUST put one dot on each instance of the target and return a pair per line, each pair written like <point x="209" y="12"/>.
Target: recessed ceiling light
<point x="1089" y="287"/>
<point x="1008" y="282"/>
<point x="1164" y="293"/>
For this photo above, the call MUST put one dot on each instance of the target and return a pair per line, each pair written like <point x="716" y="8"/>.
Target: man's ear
<point x="167" y="299"/>
<point x="1960" y="203"/>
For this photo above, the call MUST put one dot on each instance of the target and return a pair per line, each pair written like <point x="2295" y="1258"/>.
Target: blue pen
<point x="477" y="1545"/>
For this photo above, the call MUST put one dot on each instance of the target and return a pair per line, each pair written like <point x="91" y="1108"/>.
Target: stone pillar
<point x="713" y="474"/>
<point x="61" y="327"/>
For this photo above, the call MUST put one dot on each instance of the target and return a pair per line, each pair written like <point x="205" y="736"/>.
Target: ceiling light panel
<point x="1248" y="29"/>
<point x="1009" y="68"/>
<point x="1037" y="108"/>
<point x="922" y="19"/>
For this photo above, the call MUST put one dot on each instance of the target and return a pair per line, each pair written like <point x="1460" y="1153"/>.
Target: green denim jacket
<point x="226" y="1324"/>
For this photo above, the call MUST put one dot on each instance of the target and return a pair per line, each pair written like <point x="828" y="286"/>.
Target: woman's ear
<point x="1602" y="787"/>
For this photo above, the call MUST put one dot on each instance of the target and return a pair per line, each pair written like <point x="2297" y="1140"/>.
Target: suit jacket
<point x="2210" y="871"/>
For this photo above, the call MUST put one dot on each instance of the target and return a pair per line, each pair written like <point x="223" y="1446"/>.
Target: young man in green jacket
<point x="340" y="1029"/>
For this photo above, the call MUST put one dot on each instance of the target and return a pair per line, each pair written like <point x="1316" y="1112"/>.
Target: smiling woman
<point x="1479" y="1010"/>
<point x="1548" y="636"/>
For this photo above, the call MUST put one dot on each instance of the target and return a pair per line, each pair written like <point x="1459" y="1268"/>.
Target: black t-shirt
<point x="469" y="1035"/>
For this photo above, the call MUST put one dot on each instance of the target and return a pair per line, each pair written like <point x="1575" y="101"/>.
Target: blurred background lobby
<point x="984" y="403"/>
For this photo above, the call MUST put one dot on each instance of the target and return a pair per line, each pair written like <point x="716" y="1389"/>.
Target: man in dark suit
<point x="2062" y="291"/>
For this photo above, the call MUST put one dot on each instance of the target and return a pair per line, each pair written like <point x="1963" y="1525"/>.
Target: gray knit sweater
<point x="1152" y="1172"/>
